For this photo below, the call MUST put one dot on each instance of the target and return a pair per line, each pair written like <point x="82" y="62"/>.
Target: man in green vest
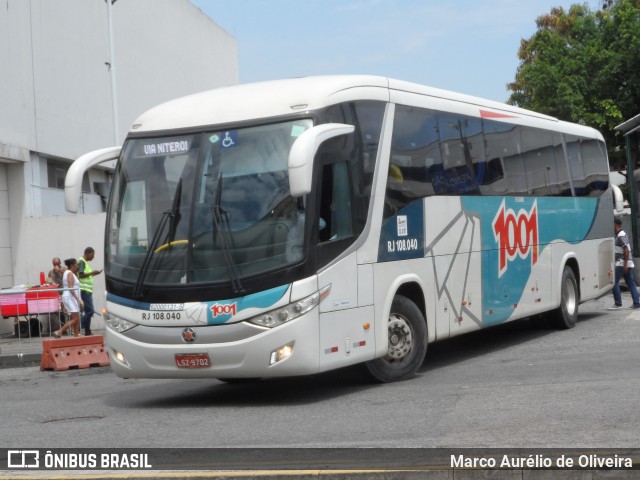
<point x="85" y="275"/>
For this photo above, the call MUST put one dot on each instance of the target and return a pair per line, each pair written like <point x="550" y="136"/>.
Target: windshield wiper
<point x="221" y="229"/>
<point x="174" y="215"/>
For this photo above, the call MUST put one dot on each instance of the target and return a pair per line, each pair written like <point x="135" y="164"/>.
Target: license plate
<point x="192" y="360"/>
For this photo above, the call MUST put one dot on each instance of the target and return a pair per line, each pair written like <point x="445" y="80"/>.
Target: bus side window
<point x="335" y="220"/>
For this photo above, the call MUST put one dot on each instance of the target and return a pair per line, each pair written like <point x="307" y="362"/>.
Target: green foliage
<point x="583" y="66"/>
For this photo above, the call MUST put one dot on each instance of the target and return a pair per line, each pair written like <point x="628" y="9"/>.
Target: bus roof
<point x="238" y="103"/>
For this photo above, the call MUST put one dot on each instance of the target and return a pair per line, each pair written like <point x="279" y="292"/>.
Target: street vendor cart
<point x="25" y="304"/>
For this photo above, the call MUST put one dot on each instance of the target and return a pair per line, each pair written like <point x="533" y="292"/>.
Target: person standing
<point x="55" y="278"/>
<point x="86" y="274"/>
<point x="55" y="274"/>
<point x="71" y="298"/>
<point x="624" y="266"/>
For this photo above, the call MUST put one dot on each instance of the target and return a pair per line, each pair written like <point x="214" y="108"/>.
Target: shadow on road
<point x="203" y="393"/>
<point x="482" y="342"/>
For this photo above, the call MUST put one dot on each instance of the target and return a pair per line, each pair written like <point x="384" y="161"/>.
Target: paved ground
<point x="26" y="351"/>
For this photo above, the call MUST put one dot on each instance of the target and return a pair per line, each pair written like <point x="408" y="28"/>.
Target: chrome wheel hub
<point x="400" y="339"/>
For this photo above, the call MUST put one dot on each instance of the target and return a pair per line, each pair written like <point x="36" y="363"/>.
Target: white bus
<point x="298" y="226"/>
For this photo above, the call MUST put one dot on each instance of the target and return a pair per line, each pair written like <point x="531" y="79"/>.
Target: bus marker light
<point x="324" y="292"/>
<point x="366" y="326"/>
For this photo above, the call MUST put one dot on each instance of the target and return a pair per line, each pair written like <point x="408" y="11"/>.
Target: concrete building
<point x="56" y="97"/>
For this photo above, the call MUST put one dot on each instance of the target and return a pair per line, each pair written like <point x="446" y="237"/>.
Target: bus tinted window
<point x="416" y="162"/>
<point x="585" y="164"/>
<point x="443" y="153"/>
<point x="359" y="151"/>
<point x="462" y="148"/>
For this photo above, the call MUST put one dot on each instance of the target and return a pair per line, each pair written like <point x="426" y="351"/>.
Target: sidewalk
<point x="23" y="352"/>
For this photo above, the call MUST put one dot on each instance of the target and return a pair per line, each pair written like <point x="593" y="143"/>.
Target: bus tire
<point x="407" y="344"/>
<point x="566" y="315"/>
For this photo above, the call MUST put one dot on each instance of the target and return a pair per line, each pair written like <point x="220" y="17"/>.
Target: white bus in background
<point x="298" y="226"/>
<point x="620" y="205"/>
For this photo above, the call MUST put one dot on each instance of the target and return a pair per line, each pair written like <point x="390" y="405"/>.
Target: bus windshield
<point x="205" y="208"/>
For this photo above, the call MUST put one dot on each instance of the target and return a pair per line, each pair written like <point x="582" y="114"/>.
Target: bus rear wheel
<point x="407" y="330"/>
<point x="566" y="315"/>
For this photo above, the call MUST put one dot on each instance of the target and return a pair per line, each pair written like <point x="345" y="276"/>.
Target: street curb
<point x="20" y="360"/>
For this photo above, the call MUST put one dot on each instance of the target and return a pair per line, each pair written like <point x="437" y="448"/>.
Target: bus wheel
<point x="566" y="315"/>
<point x="407" y="343"/>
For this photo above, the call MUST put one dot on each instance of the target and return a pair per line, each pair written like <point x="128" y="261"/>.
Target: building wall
<point x="64" y="237"/>
<point x="56" y="97"/>
<point x="56" y="91"/>
<point x="6" y="272"/>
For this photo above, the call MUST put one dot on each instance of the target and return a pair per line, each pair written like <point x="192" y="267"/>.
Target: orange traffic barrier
<point x="73" y="352"/>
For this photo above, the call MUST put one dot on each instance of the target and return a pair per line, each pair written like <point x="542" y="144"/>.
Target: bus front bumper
<point x="287" y="350"/>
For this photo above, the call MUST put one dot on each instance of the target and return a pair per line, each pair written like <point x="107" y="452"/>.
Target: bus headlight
<point x="119" y="356"/>
<point x="282" y="315"/>
<point x="281" y="353"/>
<point x="118" y="324"/>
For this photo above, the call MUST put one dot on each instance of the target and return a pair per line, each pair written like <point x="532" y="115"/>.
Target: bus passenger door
<point x="347" y="314"/>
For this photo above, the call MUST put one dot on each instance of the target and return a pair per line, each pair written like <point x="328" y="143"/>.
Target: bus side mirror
<point x="303" y="151"/>
<point x="73" y="180"/>
<point x="618" y="199"/>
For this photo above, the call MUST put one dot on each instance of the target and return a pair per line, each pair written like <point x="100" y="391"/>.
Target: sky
<point x="460" y="45"/>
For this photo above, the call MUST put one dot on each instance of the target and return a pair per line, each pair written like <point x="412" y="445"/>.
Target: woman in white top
<point x="71" y="298"/>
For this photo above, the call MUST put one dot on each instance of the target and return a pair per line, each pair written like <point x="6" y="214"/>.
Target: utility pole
<point x="111" y="65"/>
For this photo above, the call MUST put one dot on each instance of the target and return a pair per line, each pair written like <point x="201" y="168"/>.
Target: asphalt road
<point x="513" y="386"/>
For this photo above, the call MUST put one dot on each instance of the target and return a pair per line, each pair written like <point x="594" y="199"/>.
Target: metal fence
<point x="36" y="312"/>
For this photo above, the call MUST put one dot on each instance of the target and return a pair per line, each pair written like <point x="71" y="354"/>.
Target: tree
<point x="583" y="66"/>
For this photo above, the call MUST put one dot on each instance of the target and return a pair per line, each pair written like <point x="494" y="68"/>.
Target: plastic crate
<point x="43" y="299"/>
<point x="13" y="303"/>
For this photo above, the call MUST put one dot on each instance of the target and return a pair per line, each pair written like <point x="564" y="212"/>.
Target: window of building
<point x="56" y="173"/>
